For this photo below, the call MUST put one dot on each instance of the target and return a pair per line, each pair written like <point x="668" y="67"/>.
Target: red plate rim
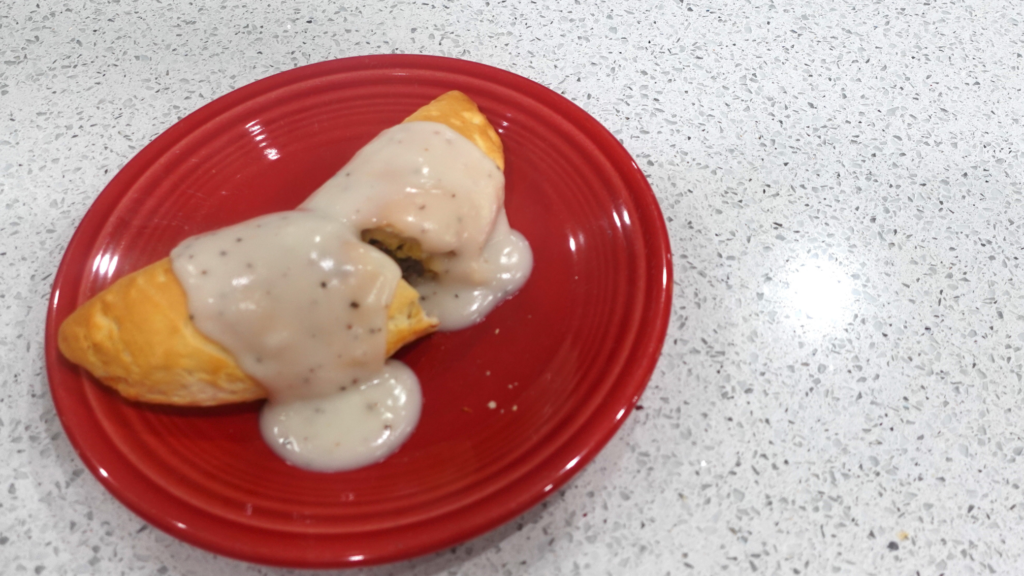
<point x="577" y="450"/>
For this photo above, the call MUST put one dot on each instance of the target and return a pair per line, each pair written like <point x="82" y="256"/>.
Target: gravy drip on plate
<point x="346" y="431"/>
<point x="466" y="289"/>
<point x="301" y="302"/>
<point x="425" y="181"/>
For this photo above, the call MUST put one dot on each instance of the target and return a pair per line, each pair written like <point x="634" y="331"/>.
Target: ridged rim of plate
<point x="510" y="488"/>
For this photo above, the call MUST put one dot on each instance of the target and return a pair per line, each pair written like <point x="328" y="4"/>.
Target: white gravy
<point x="468" y="289"/>
<point x="302" y="303"/>
<point x="346" y="430"/>
<point x="294" y="296"/>
<point x="424" y="180"/>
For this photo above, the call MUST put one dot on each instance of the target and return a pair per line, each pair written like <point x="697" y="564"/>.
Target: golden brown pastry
<point x="455" y="110"/>
<point x="137" y="338"/>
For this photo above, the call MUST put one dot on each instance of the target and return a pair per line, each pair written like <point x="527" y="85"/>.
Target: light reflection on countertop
<point x="820" y="291"/>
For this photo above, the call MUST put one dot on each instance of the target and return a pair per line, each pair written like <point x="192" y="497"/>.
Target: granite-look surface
<point x="841" y="387"/>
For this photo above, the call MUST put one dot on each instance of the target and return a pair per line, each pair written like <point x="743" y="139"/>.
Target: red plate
<point x="564" y="361"/>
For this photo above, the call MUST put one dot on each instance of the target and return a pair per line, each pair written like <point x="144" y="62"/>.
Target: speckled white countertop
<point x="841" y="388"/>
